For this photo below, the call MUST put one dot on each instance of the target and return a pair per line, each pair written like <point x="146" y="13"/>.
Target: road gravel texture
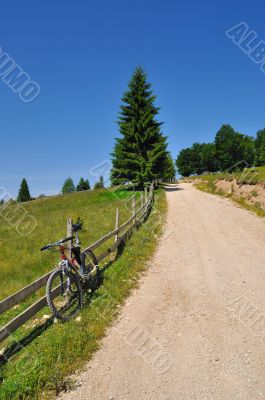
<point x="195" y="327"/>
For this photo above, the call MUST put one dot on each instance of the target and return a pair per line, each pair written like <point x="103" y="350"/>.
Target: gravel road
<point x="195" y="328"/>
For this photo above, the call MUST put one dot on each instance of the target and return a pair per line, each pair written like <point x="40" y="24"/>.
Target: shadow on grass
<point x="18" y="346"/>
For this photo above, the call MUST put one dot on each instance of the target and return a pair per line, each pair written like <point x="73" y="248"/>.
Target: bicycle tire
<point x="94" y="261"/>
<point x="58" y="313"/>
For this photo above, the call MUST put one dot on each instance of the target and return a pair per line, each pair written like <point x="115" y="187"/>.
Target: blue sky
<point x="82" y="54"/>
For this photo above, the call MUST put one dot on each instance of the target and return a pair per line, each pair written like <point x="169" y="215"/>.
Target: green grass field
<point x="21" y="260"/>
<point x="53" y="351"/>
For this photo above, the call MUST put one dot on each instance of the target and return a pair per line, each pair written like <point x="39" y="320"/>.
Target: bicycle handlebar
<point x="50" y="245"/>
<point x="45" y="248"/>
<point x="67" y="239"/>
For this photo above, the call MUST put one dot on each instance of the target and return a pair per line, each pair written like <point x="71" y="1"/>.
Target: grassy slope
<point x="41" y="368"/>
<point x="21" y="260"/>
<point x="250" y="176"/>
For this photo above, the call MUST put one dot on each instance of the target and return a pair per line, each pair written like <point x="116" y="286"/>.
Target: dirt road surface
<point x="195" y="328"/>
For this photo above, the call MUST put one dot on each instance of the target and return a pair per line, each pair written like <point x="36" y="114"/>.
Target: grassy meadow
<point x="21" y="261"/>
<point x="43" y="354"/>
<point x="20" y="258"/>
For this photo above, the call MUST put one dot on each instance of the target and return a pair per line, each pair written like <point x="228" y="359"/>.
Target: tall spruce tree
<point x="140" y="154"/>
<point x="23" y="194"/>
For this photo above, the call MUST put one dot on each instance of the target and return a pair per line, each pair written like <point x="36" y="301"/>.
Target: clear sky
<point x="82" y="54"/>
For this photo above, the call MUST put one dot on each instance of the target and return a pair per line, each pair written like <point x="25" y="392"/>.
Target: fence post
<point x="141" y="206"/>
<point x="151" y="192"/>
<point x="133" y="208"/>
<point x="145" y="200"/>
<point x="145" y="194"/>
<point x="117" y="224"/>
<point x="69" y="233"/>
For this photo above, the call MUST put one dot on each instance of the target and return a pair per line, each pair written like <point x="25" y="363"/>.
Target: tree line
<point x="230" y="151"/>
<point x="68" y="187"/>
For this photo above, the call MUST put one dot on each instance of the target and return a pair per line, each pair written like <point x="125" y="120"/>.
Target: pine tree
<point x="24" y="194"/>
<point x="82" y="185"/>
<point x="140" y="154"/>
<point x="68" y="186"/>
<point x="100" y="183"/>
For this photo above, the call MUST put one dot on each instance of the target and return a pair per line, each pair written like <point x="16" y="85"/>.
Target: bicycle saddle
<point x="77" y="227"/>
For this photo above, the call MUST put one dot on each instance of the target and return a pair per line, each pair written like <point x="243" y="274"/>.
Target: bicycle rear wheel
<point x="64" y="294"/>
<point x="91" y="265"/>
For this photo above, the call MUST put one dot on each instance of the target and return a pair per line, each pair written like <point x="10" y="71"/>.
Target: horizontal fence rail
<point x="119" y="234"/>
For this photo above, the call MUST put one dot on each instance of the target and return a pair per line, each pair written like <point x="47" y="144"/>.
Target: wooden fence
<point x="119" y="234"/>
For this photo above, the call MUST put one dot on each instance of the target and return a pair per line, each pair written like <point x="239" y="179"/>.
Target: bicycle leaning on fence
<point x="67" y="283"/>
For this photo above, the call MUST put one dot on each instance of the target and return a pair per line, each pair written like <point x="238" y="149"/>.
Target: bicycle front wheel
<point x="64" y="294"/>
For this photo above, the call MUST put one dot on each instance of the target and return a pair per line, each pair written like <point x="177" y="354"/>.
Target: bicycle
<point x="67" y="283"/>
